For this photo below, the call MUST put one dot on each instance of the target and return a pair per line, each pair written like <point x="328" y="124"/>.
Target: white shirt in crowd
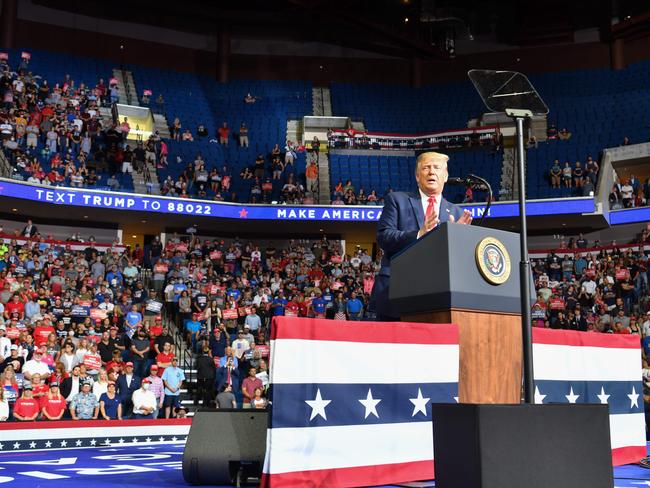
<point x="74" y="389"/>
<point x="4" y="410"/>
<point x="5" y="347"/>
<point x="143" y="399"/>
<point x="32" y="367"/>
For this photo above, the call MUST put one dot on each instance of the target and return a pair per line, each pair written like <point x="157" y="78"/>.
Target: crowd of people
<point x="346" y="194"/>
<point x="579" y="176"/>
<point x="630" y="193"/>
<point x="590" y="287"/>
<point x="83" y="334"/>
<point x="86" y="334"/>
<point x="53" y="134"/>
<point x="275" y="170"/>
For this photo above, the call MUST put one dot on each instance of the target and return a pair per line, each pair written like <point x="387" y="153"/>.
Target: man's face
<point x="431" y="174"/>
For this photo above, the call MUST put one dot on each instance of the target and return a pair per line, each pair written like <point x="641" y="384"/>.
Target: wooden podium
<point x="452" y="275"/>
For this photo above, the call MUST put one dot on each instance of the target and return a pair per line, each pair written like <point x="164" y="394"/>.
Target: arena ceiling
<point x="376" y="26"/>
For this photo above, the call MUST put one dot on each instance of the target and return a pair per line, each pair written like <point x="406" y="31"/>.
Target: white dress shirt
<point x="143" y="399"/>
<point x="424" y="198"/>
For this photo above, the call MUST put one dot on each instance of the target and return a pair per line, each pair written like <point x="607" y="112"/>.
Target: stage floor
<point x="137" y="466"/>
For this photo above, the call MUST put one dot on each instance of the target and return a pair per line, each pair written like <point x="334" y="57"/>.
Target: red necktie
<point x="430" y="207"/>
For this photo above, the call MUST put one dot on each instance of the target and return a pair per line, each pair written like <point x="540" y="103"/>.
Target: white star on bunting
<point x="32" y="445"/>
<point x="634" y="398"/>
<point x="93" y="442"/>
<point x="174" y="439"/>
<point x="78" y="443"/>
<point x="64" y="443"/>
<point x="161" y="438"/>
<point x="16" y="445"/>
<point x="419" y="404"/>
<point x="318" y="406"/>
<point x="134" y="440"/>
<point x="48" y="444"/>
<point x="539" y="398"/>
<point x="1" y="446"/>
<point x="603" y="397"/>
<point x="370" y="404"/>
<point x="121" y="441"/>
<point x="148" y="439"/>
<point x="571" y="397"/>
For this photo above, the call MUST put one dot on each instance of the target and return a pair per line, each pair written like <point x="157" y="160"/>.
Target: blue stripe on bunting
<point x="619" y="400"/>
<point x="291" y="410"/>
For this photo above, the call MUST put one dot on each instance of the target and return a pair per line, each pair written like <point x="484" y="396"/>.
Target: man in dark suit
<point x="127" y="383"/>
<point x="30" y="230"/>
<point x="406" y="217"/>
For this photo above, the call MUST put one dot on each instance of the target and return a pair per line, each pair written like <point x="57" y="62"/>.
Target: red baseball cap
<point x="129" y="364"/>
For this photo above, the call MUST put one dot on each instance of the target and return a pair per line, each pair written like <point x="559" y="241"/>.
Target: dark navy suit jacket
<point x="400" y="222"/>
<point x="125" y="392"/>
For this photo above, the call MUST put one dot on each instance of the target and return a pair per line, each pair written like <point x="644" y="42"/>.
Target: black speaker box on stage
<point x="522" y="446"/>
<point x="225" y="446"/>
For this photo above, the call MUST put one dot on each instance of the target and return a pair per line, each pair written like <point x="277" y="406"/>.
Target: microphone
<point x="459" y="181"/>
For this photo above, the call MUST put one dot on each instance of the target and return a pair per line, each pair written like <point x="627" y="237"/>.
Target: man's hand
<point x="465" y="219"/>
<point x="430" y="223"/>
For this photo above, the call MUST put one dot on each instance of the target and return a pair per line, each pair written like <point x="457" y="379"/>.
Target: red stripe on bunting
<point x="369" y="332"/>
<point x="589" y="339"/>
<point x="359" y="476"/>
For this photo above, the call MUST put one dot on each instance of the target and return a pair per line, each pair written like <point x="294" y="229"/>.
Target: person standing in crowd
<point x="172" y="378"/>
<point x="26" y="407"/>
<point x="249" y="385"/>
<point x="225" y="398"/>
<point x="84" y="405"/>
<point x="205" y="377"/>
<point x="110" y="405"/>
<point x="157" y="388"/>
<point x="53" y="405"/>
<point x="144" y="401"/>
<point x="4" y="406"/>
<point x="127" y="383"/>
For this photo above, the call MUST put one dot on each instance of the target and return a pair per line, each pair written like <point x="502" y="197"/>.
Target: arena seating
<point x="199" y="100"/>
<point x="54" y="67"/>
<point x="377" y="172"/>
<point x="599" y="107"/>
<point x="393" y="108"/>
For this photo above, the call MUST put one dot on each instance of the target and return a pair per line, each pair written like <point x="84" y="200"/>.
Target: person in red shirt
<point x="316" y="274"/>
<point x="53" y="404"/>
<point x="302" y="306"/>
<point x="224" y="132"/>
<point x="156" y="329"/>
<point x="164" y="359"/>
<point x="15" y="306"/>
<point x="619" y="328"/>
<point x="39" y="388"/>
<point x="293" y="308"/>
<point x="115" y="364"/>
<point x="26" y="408"/>
<point x="42" y="331"/>
<point x="249" y="385"/>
